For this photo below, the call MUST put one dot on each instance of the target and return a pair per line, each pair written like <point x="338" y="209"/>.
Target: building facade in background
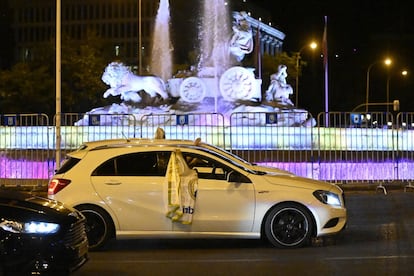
<point x="33" y="24"/>
<point x="120" y="23"/>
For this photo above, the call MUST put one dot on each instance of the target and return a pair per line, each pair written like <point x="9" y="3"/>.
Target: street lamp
<point x="387" y="62"/>
<point x="403" y="74"/>
<point x="139" y="37"/>
<point x="58" y="81"/>
<point x="313" y="46"/>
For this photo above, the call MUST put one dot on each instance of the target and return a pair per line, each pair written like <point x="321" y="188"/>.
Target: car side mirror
<point x="234" y="176"/>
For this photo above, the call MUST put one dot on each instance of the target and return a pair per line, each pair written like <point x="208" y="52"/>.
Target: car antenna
<point x="197" y="141"/>
<point x="126" y="138"/>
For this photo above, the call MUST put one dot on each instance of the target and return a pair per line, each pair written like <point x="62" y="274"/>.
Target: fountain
<point x="161" y="57"/>
<point x="214" y="35"/>
<point x="217" y="84"/>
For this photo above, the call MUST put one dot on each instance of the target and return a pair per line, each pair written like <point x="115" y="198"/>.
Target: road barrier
<point x="343" y="146"/>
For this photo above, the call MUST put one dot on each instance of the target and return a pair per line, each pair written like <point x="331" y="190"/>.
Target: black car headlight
<point x="30" y="227"/>
<point x="328" y="197"/>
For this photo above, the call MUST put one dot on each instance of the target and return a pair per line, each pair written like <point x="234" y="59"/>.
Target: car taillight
<point x="57" y="184"/>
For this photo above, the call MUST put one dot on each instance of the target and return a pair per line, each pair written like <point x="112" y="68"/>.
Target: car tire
<point x="288" y="226"/>
<point x="99" y="226"/>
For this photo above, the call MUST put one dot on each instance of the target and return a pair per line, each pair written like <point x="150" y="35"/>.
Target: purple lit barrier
<point x="350" y="171"/>
<point x="23" y="172"/>
<point x="335" y="171"/>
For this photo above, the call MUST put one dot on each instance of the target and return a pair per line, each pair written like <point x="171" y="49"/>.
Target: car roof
<point x="155" y="143"/>
<point x="116" y="143"/>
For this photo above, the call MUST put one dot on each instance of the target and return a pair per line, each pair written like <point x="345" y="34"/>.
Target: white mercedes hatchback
<point x="159" y="188"/>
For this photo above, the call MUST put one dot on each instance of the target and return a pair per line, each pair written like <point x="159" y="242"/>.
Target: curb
<point x="376" y="186"/>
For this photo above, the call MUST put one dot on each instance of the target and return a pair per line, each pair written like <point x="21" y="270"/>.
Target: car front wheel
<point x="99" y="228"/>
<point x="288" y="226"/>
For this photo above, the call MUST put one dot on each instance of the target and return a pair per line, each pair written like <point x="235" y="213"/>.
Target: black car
<point x="39" y="236"/>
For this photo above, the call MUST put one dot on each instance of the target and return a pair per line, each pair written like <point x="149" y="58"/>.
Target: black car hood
<point x="27" y="205"/>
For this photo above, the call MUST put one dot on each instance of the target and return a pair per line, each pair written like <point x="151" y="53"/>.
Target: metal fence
<point x="342" y="147"/>
<point x="20" y="137"/>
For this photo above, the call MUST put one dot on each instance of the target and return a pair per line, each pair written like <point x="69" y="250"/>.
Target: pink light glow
<point x="335" y="171"/>
<point x="25" y="169"/>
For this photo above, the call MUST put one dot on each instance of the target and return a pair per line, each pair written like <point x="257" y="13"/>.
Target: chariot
<point x="236" y="83"/>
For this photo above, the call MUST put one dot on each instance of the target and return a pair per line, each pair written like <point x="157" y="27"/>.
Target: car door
<point x="220" y="205"/>
<point x="132" y="185"/>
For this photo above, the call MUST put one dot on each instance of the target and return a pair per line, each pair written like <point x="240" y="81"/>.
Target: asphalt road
<point x="378" y="240"/>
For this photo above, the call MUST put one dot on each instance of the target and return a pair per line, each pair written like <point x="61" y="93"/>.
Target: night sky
<point x="359" y="34"/>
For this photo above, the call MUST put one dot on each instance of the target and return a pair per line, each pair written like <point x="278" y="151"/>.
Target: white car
<point x="128" y="188"/>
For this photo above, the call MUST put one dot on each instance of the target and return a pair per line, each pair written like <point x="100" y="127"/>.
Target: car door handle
<point x="112" y="183"/>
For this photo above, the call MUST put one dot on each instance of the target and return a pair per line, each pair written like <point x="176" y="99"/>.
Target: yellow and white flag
<point x="182" y="189"/>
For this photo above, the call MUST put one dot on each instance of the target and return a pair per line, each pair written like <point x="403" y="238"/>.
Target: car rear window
<point x="67" y="165"/>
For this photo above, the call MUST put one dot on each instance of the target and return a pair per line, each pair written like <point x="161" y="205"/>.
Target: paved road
<point x="379" y="240"/>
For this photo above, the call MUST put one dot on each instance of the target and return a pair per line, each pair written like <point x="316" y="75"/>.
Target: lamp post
<point x="139" y="38"/>
<point x="403" y="73"/>
<point x="387" y="62"/>
<point x="58" y="82"/>
<point x="313" y="46"/>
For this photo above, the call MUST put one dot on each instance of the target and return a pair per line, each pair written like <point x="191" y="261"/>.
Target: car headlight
<point x="327" y="197"/>
<point x="31" y="227"/>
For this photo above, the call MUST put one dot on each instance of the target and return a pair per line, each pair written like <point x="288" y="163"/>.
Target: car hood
<point x="300" y="182"/>
<point x="269" y="169"/>
<point x="27" y="205"/>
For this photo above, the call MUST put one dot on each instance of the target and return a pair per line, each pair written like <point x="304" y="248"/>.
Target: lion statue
<point x="125" y="83"/>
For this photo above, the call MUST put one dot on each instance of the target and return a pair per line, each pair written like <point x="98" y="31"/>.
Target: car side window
<point x="105" y="169"/>
<point x="206" y="168"/>
<point x="163" y="157"/>
<point x="135" y="164"/>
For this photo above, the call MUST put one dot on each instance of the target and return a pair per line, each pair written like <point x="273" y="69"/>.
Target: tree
<point x="29" y="87"/>
<point x="83" y="63"/>
<point x="25" y="89"/>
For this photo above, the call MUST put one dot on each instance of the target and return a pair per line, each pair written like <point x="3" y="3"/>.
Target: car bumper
<point x="330" y="221"/>
<point x="32" y="255"/>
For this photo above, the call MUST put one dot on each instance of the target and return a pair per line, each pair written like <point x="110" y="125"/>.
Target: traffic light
<point x="396" y="105"/>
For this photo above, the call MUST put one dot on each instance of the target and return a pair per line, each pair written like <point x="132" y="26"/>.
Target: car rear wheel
<point x="99" y="227"/>
<point x="288" y="226"/>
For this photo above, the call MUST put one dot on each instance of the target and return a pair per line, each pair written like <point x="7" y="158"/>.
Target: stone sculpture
<point x="279" y="90"/>
<point x="242" y="40"/>
<point x="125" y="83"/>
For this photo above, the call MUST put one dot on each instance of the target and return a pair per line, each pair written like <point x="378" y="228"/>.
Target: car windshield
<point x="226" y="153"/>
<point x="231" y="156"/>
<point x="228" y="157"/>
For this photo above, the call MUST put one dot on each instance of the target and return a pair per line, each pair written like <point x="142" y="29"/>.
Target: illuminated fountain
<point x="161" y="53"/>
<point x="215" y="85"/>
